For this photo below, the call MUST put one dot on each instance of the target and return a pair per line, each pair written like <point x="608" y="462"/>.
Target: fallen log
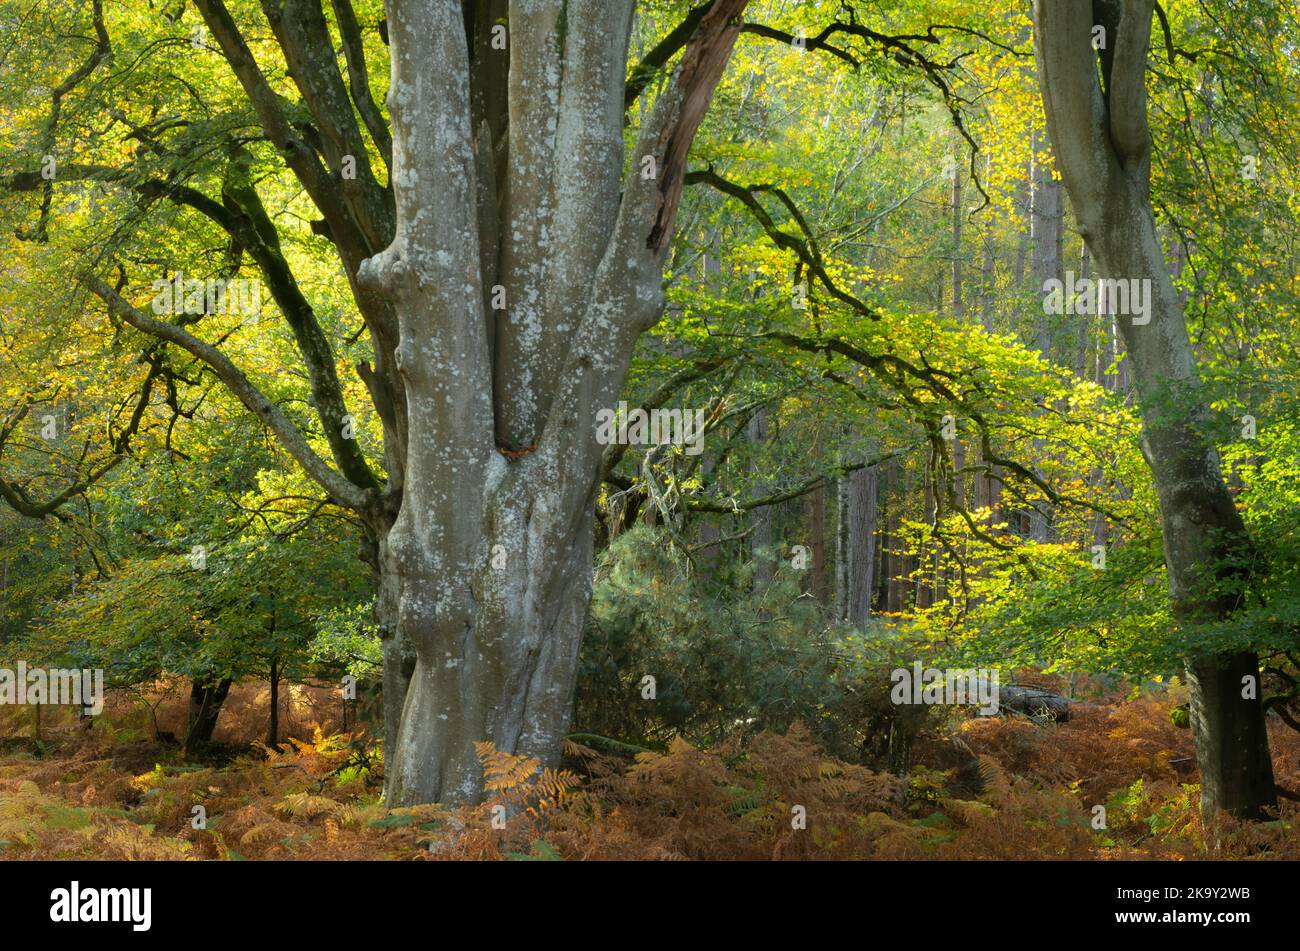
<point x="1034" y="702"/>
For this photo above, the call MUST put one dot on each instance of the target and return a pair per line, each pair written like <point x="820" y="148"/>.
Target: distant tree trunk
<point x="925" y="585"/>
<point x="988" y="268"/>
<point x="1103" y="145"/>
<point x="942" y="571"/>
<point x="863" y="486"/>
<point x="205" y="707"/>
<point x="1046" y="220"/>
<point x="842" y="529"/>
<point x="760" y="539"/>
<point x="890" y="542"/>
<point x="709" y="531"/>
<point x="983" y="483"/>
<point x="957" y="304"/>
<point x="708" y="534"/>
<point x="817" y="528"/>
<point x="880" y="596"/>
<point x="1084" y="332"/>
<point x="273" y="731"/>
<point x="1021" y="202"/>
<point x="908" y="562"/>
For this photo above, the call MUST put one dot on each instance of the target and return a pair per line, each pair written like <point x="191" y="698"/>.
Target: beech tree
<point x="504" y="279"/>
<point x="1092" y="61"/>
<point x="504" y="250"/>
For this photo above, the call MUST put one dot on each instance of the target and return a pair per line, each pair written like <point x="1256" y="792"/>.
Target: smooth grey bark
<point x="1103" y="145"/>
<point x="492" y="543"/>
<point x="398" y="651"/>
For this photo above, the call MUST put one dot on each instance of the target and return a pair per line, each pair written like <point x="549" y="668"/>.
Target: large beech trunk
<point x="501" y="669"/>
<point x="1103" y="145"/>
<point x="524" y="266"/>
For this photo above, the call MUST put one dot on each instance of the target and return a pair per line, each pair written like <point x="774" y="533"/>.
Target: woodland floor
<point x="983" y="788"/>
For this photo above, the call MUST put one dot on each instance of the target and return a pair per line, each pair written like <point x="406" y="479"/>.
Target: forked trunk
<point x="524" y="266"/>
<point x="1102" y="142"/>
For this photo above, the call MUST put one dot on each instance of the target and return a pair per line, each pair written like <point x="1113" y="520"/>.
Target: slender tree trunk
<point x="925" y="579"/>
<point x="942" y="571"/>
<point x="1085" y="331"/>
<point x="273" y="729"/>
<point x="958" y="309"/>
<point x="1103" y="145"/>
<point x="708" y="532"/>
<point x="760" y="539"/>
<point x="906" y="562"/>
<point x="205" y="707"/>
<point x="983" y="482"/>
<point x="817" y="527"/>
<point x="1047" y="228"/>
<point x="863" y="491"/>
<point x="842" y="528"/>
<point x="893" y="598"/>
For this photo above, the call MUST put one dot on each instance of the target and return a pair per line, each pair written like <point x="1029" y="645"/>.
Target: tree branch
<point x="359" y="80"/>
<point x="342" y="491"/>
<point x="1126" y="88"/>
<point x="655" y="60"/>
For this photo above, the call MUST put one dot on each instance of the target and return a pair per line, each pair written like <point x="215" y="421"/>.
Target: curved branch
<point x="359" y="81"/>
<point x="341" y="490"/>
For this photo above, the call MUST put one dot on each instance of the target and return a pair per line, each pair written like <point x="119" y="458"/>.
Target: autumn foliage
<point x="982" y="788"/>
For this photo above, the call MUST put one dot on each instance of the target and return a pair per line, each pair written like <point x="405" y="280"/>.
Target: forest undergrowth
<point x="1005" y="787"/>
